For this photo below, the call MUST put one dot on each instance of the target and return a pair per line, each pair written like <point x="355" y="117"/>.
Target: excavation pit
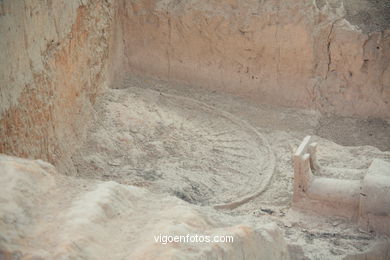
<point x="175" y="144"/>
<point x="123" y="122"/>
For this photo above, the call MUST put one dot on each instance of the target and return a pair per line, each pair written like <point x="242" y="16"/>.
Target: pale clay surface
<point x="111" y="206"/>
<point x="148" y="157"/>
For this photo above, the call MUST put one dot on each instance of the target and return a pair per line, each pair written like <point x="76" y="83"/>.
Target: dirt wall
<point x="311" y="54"/>
<point x="54" y="64"/>
<point x="58" y="56"/>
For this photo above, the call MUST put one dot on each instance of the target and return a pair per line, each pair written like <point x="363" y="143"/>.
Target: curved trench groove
<point x="266" y="173"/>
<point x="188" y="148"/>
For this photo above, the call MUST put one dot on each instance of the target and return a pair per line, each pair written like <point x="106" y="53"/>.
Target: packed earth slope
<point x="43" y="216"/>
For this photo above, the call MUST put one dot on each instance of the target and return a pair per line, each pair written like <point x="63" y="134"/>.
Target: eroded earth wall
<point x="329" y="55"/>
<point x="58" y="55"/>
<point x="54" y="57"/>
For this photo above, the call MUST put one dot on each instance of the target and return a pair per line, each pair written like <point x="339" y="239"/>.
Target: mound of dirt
<point x="45" y="215"/>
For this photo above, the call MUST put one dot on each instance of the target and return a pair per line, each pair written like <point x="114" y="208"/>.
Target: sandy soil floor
<point x="164" y="158"/>
<point x="209" y="149"/>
